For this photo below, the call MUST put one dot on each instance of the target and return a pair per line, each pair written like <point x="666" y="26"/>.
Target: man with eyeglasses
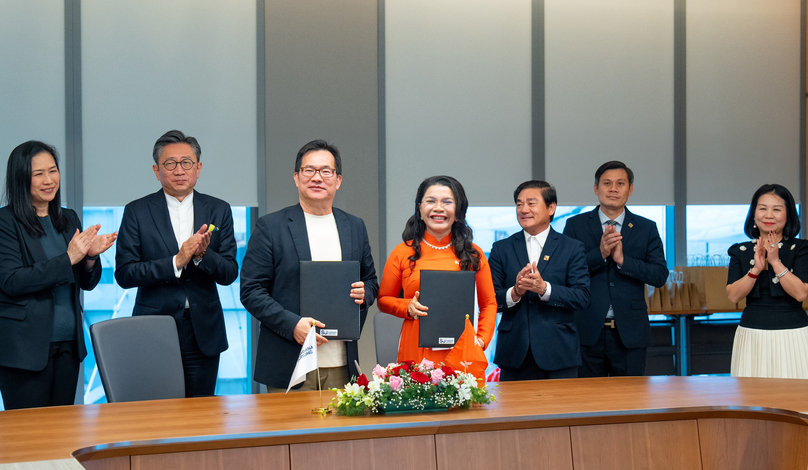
<point x="270" y="275"/>
<point x="175" y="245"/>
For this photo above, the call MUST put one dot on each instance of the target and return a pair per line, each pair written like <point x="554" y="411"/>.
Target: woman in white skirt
<point x="771" y="272"/>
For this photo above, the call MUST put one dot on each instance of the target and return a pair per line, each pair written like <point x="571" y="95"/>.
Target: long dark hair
<point x="461" y="232"/>
<point x="18" y="188"/>
<point x="792" y="227"/>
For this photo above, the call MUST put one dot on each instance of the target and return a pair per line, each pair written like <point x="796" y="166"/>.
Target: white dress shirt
<point x="182" y="221"/>
<point x="535" y="245"/>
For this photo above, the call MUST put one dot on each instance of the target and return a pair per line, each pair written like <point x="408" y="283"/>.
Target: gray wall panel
<point x="609" y="95"/>
<point x="151" y="66"/>
<point x="32" y="78"/>
<point x="743" y="98"/>
<point x="458" y="100"/>
<point x="321" y="82"/>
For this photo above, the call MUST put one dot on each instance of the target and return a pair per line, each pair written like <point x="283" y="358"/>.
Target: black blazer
<point x="643" y="263"/>
<point x="26" y="301"/>
<point x="270" y="286"/>
<point x="146" y="247"/>
<point x="547" y="327"/>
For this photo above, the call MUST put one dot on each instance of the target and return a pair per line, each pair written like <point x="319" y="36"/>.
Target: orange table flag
<point x="467" y="356"/>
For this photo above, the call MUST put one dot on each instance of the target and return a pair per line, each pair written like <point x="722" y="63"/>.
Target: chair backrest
<point x="139" y="358"/>
<point x="386" y="332"/>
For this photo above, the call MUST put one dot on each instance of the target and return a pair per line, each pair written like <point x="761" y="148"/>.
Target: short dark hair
<point x="614" y="165"/>
<point x="18" y="188"/>
<point x="548" y="192"/>
<point x="319" y="144"/>
<point x="792" y="227"/>
<point x="175" y="137"/>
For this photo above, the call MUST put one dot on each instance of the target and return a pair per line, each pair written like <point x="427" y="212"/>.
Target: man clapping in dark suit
<point x="623" y="253"/>
<point x="166" y="250"/>
<point x="540" y="278"/>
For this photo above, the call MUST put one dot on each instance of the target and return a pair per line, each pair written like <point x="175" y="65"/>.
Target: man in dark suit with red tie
<point x="623" y="253"/>
<point x="540" y="278"/>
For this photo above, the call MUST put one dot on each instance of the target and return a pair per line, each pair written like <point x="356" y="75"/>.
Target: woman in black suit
<point x="45" y="259"/>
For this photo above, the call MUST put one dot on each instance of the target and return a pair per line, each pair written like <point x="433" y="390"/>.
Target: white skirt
<point x="770" y="353"/>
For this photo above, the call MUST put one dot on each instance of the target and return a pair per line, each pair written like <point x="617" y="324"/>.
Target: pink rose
<point x="379" y="371"/>
<point x="395" y="382"/>
<point x="437" y="375"/>
<point x="427" y="363"/>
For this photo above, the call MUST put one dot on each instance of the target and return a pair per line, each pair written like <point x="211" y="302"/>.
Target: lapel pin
<point x="630" y="225"/>
<point x="546" y="257"/>
<point x="213" y="228"/>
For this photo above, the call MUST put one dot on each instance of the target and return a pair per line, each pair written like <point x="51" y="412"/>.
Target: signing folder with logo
<point x="449" y="295"/>
<point x="325" y="295"/>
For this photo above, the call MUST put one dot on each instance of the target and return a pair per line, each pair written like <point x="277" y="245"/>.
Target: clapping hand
<point x="531" y="280"/>
<point x="609" y="243"/>
<point x="81" y="243"/>
<point x="102" y="243"/>
<point x="761" y="263"/>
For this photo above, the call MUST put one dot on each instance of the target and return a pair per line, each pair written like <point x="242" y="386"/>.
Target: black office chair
<point x="386" y="333"/>
<point x="139" y="358"/>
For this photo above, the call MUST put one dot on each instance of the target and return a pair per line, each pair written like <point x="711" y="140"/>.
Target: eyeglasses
<point x="185" y="163"/>
<point x="309" y="172"/>
<point x="445" y="203"/>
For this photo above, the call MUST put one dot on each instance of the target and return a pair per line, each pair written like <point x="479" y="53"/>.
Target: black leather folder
<point x="449" y="295"/>
<point x="325" y="295"/>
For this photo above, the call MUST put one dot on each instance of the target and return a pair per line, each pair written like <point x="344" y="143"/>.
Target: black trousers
<point x="609" y="357"/>
<point x="52" y="386"/>
<point x="529" y="370"/>
<point x="200" y="370"/>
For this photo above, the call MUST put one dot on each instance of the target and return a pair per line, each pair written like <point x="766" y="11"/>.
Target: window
<point x="711" y="230"/>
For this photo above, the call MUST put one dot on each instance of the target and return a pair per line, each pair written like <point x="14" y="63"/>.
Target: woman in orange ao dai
<point x="436" y="237"/>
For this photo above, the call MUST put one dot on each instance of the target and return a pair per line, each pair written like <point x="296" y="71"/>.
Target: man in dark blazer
<point x="270" y="274"/>
<point x="166" y="250"/>
<point x="540" y="278"/>
<point x="623" y="253"/>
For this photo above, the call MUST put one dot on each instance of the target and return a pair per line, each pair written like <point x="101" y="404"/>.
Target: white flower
<point x="353" y="390"/>
<point x="780" y="245"/>
<point x="376" y="384"/>
<point x="752" y="262"/>
<point x="742" y="248"/>
<point x="792" y="246"/>
<point x="776" y="280"/>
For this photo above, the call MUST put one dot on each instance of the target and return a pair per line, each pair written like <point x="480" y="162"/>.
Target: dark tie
<point x="613" y="223"/>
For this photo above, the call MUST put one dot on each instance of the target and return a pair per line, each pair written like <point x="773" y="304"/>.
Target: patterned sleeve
<point x="735" y="269"/>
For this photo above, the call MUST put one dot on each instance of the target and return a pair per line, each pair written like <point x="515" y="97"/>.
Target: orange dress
<point x="397" y="276"/>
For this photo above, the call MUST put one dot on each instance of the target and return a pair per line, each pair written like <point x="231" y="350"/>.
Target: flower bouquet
<point x="408" y="387"/>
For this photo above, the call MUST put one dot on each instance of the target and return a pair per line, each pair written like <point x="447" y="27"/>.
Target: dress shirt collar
<point x="619" y="219"/>
<point x="176" y="204"/>
<point x="541" y="237"/>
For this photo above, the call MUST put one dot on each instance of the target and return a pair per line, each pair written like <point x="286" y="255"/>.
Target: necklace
<point x="436" y="247"/>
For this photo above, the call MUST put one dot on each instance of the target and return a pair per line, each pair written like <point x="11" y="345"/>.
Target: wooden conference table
<point x="632" y="422"/>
